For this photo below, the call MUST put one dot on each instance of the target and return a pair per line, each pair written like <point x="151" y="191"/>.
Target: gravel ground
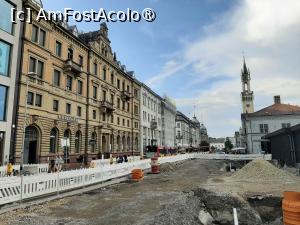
<point x="126" y="203"/>
<point x="191" y="192"/>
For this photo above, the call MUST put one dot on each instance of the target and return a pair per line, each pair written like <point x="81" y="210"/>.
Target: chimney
<point x="277" y="99"/>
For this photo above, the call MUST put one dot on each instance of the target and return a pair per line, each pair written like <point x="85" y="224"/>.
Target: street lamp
<point x="29" y="75"/>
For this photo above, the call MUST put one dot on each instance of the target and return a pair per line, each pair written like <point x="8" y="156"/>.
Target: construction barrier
<point x="13" y="189"/>
<point x="17" y="188"/>
<point x="291" y="208"/>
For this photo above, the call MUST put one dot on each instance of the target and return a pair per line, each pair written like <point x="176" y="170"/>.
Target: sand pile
<point x="167" y="167"/>
<point x="262" y="170"/>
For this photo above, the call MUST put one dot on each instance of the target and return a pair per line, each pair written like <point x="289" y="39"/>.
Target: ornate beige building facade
<point x="76" y="100"/>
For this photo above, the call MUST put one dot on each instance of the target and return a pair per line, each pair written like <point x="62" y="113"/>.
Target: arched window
<point x="53" y="140"/>
<point x="78" y="141"/>
<point x="112" y="141"/>
<point x="123" y="143"/>
<point x="128" y="143"/>
<point x="67" y="137"/>
<point x="136" y="144"/>
<point x="119" y="143"/>
<point x="94" y="141"/>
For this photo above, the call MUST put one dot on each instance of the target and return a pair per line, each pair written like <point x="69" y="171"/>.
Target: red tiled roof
<point x="277" y="109"/>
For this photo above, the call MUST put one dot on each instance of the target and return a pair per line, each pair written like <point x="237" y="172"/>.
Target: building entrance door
<point x="32" y="152"/>
<point x="31" y="145"/>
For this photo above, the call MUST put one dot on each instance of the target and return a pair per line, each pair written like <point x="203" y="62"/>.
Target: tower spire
<point x="247" y="94"/>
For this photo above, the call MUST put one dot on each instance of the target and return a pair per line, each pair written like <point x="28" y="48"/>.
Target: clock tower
<point x="247" y="94"/>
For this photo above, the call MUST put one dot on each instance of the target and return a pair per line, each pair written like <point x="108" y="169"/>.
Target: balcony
<point x="107" y="107"/>
<point x="73" y="67"/>
<point x="179" y="137"/>
<point x="125" y="96"/>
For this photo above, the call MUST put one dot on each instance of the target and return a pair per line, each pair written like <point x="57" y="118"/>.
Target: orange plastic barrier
<point x="291" y="208"/>
<point x="137" y="174"/>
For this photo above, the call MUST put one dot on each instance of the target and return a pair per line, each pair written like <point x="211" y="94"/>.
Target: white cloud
<point x="268" y="31"/>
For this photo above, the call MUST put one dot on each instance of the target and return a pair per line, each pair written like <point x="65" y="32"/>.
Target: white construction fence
<point x="13" y="189"/>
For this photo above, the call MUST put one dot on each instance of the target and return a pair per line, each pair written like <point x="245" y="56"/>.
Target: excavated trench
<point x="204" y="207"/>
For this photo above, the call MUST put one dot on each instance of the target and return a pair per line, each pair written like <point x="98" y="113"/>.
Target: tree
<point x="228" y="144"/>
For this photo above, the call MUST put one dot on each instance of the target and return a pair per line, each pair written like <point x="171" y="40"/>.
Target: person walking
<point x="9" y="169"/>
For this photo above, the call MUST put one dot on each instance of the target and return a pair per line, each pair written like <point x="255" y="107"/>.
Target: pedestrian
<point x="9" y="169"/>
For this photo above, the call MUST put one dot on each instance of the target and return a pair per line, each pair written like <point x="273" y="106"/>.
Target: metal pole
<point x="235" y="217"/>
<point x="24" y="127"/>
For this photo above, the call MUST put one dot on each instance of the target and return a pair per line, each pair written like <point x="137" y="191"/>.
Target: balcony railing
<point x="179" y="137"/>
<point x="125" y="96"/>
<point x="107" y="106"/>
<point x="73" y="67"/>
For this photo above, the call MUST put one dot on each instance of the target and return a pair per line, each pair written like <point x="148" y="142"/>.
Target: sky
<point x="193" y="52"/>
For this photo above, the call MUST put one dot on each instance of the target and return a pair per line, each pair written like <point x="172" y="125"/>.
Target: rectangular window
<point x="95" y="92"/>
<point x="37" y="67"/>
<point x="32" y="65"/>
<point x="79" y="111"/>
<point x="103" y="117"/>
<point x="104" y="74"/>
<point x="128" y="89"/>
<point x="136" y="93"/>
<point x="104" y="95"/>
<point x="95" y="69"/>
<point x="118" y="103"/>
<point x="136" y="110"/>
<point x="118" y="83"/>
<point x="112" y="79"/>
<point x="123" y="86"/>
<point x="40" y="69"/>
<point x="38" y="100"/>
<point x="112" y="97"/>
<point x="3" y="102"/>
<point x="128" y="123"/>
<point x="80" y="60"/>
<point x="5" y="50"/>
<point x="264" y="128"/>
<point x="56" y="78"/>
<point x="79" y="87"/>
<point x="5" y="17"/>
<point x="123" y="105"/>
<point x="58" y="49"/>
<point x="112" y="118"/>
<point x="128" y="107"/>
<point x="42" y="38"/>
<point x="123" y="122"/>
<point x="34" y="33"/>
<point x="55" y="105"/>
<point x="70" y="53"/>
<point x="94" y="114"/>
<point x="118" y="121"/>
<point x="69" y="83"/>
<point x="68" y="108"/>
<point x="30" y="97"/>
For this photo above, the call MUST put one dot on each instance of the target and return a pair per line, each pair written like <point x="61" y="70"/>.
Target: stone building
<point x="114" y="102"/>
<point x="187" y="131"/>
<point x="10" y="46"/>
<point x="151" y="118"/>
<point x="81" y="103"/>
<point x="168" y="122"/>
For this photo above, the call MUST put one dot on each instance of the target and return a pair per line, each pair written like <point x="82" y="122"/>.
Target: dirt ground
<point x="125" y="203"/>
<point x="191" y="192"/>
